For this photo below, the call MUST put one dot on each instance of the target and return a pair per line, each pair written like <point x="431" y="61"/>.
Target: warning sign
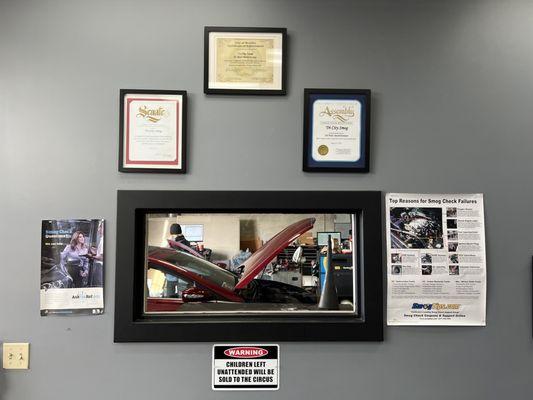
<point x="246" y="367"/>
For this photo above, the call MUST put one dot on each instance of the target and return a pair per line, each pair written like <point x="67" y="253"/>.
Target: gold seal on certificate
<point x="245" y="60"/>
<point x="323" y="150"/>
<point x="152" y="131"/>
<point x="336" y="130"/>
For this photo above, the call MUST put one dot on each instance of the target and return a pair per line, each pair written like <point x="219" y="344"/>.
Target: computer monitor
<point x="322" y="237"/>
<point x="193" y="233"/>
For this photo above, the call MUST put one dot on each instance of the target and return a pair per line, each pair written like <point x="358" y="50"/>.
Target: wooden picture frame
<point x="245" y="61"/>
<point x="336" y="130"/>
<point x="153" y="131"/>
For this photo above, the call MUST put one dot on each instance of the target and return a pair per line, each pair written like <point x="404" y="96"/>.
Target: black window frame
<point x="133" y="325"/>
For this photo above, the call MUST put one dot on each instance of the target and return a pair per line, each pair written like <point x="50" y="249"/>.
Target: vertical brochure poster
<point x="72" y="266"/>
<point x="436" y="270"/>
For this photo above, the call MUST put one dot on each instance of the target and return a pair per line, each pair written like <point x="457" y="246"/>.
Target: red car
<point x="178" y="279"/>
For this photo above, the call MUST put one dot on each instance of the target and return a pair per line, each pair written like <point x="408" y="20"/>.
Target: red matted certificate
<point x="152" y="131"/>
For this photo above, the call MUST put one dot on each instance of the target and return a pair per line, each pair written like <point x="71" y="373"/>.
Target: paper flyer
<point x="72" y="266"/>
<point x="436" y="267"/>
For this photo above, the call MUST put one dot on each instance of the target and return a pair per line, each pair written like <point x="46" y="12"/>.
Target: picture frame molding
<point x="365" y="131"/>
<point x="183" y="152"/>
<point x="132" y="325"/>
<point x="246" y="92"/>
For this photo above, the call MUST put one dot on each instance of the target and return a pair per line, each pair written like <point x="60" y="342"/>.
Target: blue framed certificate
<point x="336" y="130"/>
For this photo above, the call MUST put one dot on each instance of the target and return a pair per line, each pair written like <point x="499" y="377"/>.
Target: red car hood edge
<point x="173" y="244"/>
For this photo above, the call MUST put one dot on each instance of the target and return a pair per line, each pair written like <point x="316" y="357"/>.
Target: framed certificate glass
<point x="249" y="61"/>
<point x="336" y="130"/>
<point x="152" y="130"/>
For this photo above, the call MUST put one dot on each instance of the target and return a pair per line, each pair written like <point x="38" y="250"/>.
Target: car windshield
<point x="198" y="266"/>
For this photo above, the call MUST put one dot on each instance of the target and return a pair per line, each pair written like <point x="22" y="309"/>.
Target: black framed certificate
<point x="248" y="61"/>
<point x="152" y="130"/>
<point x="336" y="130"/>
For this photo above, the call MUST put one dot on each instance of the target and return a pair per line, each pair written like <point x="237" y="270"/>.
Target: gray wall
<point x="452" y="96"/>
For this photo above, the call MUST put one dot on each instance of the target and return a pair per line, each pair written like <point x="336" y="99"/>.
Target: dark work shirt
<point x="181" y="239"/>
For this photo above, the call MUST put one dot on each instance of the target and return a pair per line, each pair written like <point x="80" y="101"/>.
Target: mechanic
<point x="175" y="229"/>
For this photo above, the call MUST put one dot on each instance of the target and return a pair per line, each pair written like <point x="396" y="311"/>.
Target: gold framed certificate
<point x="336" y="130"/>
<point x="249" y="61"/>
<point x="152" y="130"/>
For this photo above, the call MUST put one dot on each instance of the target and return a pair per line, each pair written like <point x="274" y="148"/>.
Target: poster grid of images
<point x="435" y="259"/>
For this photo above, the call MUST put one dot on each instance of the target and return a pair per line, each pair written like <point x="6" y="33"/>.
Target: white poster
<point x="436" y="269"/>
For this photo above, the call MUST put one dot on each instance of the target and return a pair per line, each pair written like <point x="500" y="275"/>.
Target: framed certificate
<point x="249" y="61"/>
<point x="336" y="130"/>
<point x="152" y="131"/>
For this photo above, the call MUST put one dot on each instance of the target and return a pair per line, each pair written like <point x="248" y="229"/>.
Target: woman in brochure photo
<point x="72" y="259"/>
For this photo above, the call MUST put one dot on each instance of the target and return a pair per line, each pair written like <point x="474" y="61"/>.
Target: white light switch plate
<point x="16" y="355"/>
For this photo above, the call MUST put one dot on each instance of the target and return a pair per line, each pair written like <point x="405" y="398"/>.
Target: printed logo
<point x="245" y="352"/>
<point x="340" y="114"/>
<point x="152" y="114"/>
<point x="435" y="306"/>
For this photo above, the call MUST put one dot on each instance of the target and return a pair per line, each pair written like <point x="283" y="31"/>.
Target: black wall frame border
<point x="132" y="326"/>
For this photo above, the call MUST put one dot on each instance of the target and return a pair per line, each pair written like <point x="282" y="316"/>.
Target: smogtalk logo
<point x="435" y="306"/>
<point x="418" y="306"/>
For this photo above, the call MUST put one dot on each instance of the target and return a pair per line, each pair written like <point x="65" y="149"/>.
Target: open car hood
<point x="260" y="259"/>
